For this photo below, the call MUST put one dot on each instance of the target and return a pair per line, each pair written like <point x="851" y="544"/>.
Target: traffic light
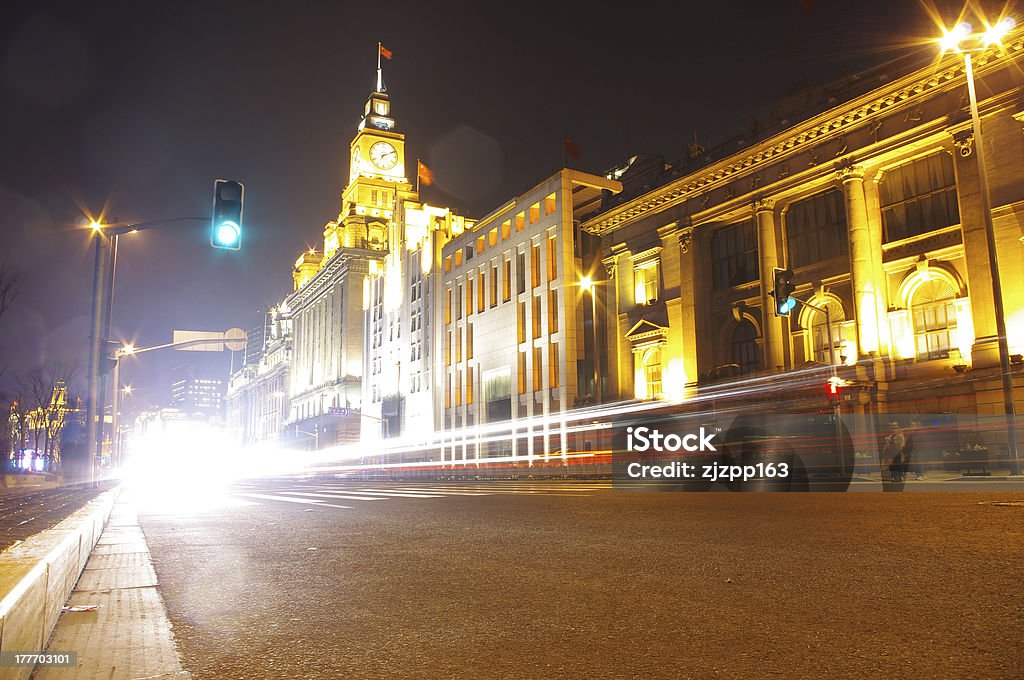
<point x="107" y="364"/>
<point x="783" y="292"/>
<point x="226" y="227"/>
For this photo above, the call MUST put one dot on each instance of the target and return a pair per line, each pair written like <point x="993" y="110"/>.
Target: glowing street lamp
<point x="960" y="39"/>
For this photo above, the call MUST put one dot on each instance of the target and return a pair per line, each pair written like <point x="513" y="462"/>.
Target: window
<point x="469" y="384"/>
<point x="538" y="368"/>
<point x="549" y="204"/>
<point x="448" y="264"/>
<point x="448" y="348"/>
<point x="492" y="237"/>
<point x="469" y="340"/>
<point x="520" y="272"/>
<point x="535" y="264"/>
<point x="521" y="322"/>
<point x="816" y="229"/>
<point x="744" y="350"/>
<point x="520" y="221"/>
<point x="458" y="387"/>
<point x="536" y="317"/>
<point x="552" y="312"/>
<point x="522" y="372"/>
<point x="734" y="255"/>
<point x="645" y="281"/>
<point x="481" y="292"/>
<point x="534" y="213"/>
<point x="494" y="285"/>
<point x="481" y="243"/>
<point x="448" y="305"/>
<point x="919" y="197"/>
<point x="506" y="229"/>
<point x="458" y="302"/>
<point x="934" y="313"/>
<point x="552" y="258"/>
<point x="469" y="294"/>
<point x="507" y="282"/>
<point x="819" y="333"/>
<point x="553" y="365"/>
<point x="469" y="253"/>
<point x="652" y="372"/>
<point x="458" y="345"/>
<point x="447" y="392"/>
<point x="458" y="257"/>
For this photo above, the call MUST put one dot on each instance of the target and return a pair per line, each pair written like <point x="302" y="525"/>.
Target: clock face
<point x="383" y="155"/>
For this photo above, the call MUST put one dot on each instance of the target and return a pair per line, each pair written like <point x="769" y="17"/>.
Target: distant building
<point x="256" y="402"/>
<point x="198" y="395"/>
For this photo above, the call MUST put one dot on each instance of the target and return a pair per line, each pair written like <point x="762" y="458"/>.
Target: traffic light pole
<point x="833" y="372"/>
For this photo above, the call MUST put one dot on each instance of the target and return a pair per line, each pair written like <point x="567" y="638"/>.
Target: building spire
<point x="386" y="53"/>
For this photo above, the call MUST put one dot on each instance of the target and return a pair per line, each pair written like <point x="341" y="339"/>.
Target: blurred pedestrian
<point x="893" y="450"/>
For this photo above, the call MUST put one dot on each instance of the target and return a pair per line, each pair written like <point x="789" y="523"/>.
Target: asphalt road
<point x="569" y="579"/>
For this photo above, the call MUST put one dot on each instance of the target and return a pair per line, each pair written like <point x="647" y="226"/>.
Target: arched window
<point x="819" y="332"/>
<point x="934" y="315"/>
<point x="652" y="372"/>
<point x="744" y="350"/>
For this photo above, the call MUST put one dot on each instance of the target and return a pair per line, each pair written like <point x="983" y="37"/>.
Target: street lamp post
<point x="102" y="294"/>
<point x="955" y="40"/>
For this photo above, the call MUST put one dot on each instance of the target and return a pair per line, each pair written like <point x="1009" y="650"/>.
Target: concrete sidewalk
<point x="128" y="634"/>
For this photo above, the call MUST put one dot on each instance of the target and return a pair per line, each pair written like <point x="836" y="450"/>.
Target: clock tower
<point x="377" y="180"/>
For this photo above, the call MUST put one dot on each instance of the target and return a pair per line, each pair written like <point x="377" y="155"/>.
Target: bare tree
<point x="10" y="284"/>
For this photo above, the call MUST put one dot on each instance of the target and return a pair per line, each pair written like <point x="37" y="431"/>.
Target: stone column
<point x="866" y="290"/>
<point x="768" y="252"/>
<point x="985" y="352"/>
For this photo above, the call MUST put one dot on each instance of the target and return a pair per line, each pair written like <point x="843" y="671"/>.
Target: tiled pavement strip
<point x="128" y="635"/>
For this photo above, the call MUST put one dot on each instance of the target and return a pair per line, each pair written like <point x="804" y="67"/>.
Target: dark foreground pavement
<point x="595" y="584"/>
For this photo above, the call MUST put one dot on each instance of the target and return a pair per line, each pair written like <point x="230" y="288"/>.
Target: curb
<point x="38" y="575"/>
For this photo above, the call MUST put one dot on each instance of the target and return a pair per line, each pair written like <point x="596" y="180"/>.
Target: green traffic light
<point x="228" y="233"/>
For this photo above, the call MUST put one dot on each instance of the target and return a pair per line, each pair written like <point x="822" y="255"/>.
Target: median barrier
<point x="38" y="575"/>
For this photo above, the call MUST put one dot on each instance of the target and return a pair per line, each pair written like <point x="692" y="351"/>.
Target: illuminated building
<point x="400" y="302"/>
<point x="873" y="200"/>
<point x="515" y="336"/>
<point x="35" y="434"/>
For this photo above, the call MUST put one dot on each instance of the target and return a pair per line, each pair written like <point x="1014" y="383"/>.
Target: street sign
<point x="338" y="411"/>
<point x="235" y="339"/>
<point x="216" y="339"/>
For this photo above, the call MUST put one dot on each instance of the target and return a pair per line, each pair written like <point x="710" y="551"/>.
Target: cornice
<point x="872" y="106"/>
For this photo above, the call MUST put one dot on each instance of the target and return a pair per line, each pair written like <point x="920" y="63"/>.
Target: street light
<point x="590" y="285"/>
<point x="961" y="39"/>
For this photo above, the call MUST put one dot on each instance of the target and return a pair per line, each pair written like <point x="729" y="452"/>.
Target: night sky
<point x="135" y="108"/>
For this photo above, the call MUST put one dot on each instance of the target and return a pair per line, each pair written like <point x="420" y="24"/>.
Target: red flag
<point x="384" y="52"/>
<point x="570" y="147"/>
<point x="425" y="174"/>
